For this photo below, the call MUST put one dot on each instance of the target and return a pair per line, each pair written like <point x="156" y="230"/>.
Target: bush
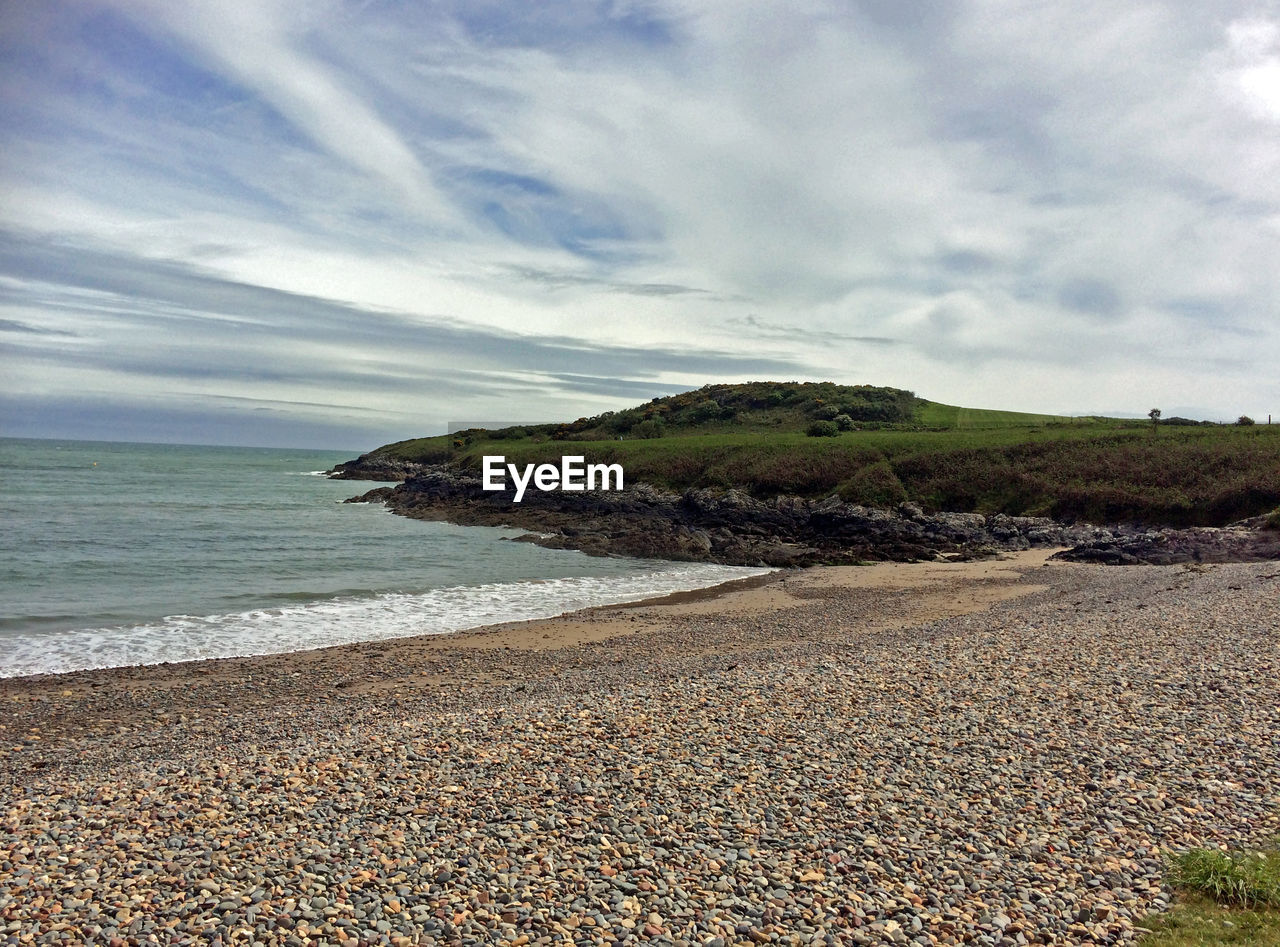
<point x="823" y="429"/>
<point x="1273" y="519"/>
<point x="873" y="485"/>
<point x="650" y="429"/>
<point x="1244" y="420"/>
<point x="826" y="412"/>
<point x="706" y="410"/>
<point x="844" y="422"/>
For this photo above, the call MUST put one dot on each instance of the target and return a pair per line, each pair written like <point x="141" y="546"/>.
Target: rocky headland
<point x="735" y="528"/>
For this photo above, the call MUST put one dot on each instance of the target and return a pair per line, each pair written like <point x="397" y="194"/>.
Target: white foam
<point x="337" y="621"/>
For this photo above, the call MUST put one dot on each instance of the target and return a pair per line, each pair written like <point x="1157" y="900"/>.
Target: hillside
<point x="884" y="446"/>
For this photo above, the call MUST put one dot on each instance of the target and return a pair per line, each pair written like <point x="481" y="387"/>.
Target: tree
<point x="1244" y="420"/>
<point x="1154" y="415"/>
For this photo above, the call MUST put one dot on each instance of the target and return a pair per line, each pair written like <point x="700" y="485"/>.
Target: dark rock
<point x="375" y="467"/>
<point x="735" y="528"/>
<point x="1239" y="542"/>
<point x="728" y="526"/>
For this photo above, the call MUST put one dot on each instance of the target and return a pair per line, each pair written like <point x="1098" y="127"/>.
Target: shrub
<point x="1273" y="519"/>
<point x="874" y="485"/>
<point x="826" y="412"/>
<point x="844" y="422"/>
<point x="509" y="434"/>
<point x="706" y="410"/>
<point x="823" y="429"/>
<point x="1244" y="420"/>
<point x="649" y="429"/>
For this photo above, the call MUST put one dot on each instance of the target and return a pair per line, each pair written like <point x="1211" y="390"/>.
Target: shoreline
<point x="524" y="599"/>
<point x="476" y="664"/>
<point x="973" y="751"/>
<point x="568" y="629"/>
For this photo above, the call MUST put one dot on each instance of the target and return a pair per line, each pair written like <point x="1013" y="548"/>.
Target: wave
<point x="343" y="620"/>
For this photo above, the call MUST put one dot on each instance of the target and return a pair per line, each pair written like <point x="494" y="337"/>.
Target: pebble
<point x="813" y="775"/>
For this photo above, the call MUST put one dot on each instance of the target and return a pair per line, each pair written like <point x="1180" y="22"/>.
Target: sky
<point x="337" y="224"/>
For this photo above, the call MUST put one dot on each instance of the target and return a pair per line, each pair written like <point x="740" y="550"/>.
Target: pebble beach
<point x="991" y="753"/>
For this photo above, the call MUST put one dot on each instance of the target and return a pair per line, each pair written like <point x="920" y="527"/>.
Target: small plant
<point x="1273" y="519"/>
<point x="650" y="429"/>
<point x="823" y="429"/>
<point x="1232" y="878"/>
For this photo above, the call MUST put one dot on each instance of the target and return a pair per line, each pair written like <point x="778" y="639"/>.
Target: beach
<point x="991" y="752"/>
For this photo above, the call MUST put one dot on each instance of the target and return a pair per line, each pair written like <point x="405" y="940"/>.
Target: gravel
<point x="1011" y="776"/>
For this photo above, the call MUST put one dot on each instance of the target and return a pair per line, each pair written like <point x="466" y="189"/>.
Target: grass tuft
<point x="1228" y="898"/>
<point x="1243" y="879"/>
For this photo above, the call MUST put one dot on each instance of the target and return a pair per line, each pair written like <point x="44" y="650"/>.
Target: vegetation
<point x="1241" y="879"/>
<point x="1199" y="922"/>
<point x="884" y="445"/>
<point x="1231" y="898"/>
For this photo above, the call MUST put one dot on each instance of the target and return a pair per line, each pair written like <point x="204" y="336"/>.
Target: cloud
<point x="1002" y="205"/>
<point x="173" y="331"/>
<point x="13" y="325"/>
<point x="561" y="279"/>
<point x="262" y="44"/>
<point x="758" y="328"/>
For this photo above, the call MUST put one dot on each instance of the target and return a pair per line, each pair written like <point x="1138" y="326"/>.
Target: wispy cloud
<point x="580" y="203"/>
<point x="169" y="329"/>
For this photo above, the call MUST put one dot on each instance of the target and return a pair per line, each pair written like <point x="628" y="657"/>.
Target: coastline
<point x="736" y="597"/>
<point x="733" y="527"/>
<point x="1012" y="743"/>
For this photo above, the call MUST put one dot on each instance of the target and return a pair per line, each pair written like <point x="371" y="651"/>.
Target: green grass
<point x="948" y="416"/>
<point x="1230" y="898"/>
<point x="1179" y="477"/>
<point x="1242" y="879"/>
<point x="1100" y="470"/>
<point x="1200" y="922"/>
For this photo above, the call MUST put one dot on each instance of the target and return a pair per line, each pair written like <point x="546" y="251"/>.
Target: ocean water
<point x="125" y="554"/>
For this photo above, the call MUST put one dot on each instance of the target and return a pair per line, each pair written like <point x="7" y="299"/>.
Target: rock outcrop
<point x="735" y="528"/>
<point x="1246" y="541"/>
<point x="376" y="467"/>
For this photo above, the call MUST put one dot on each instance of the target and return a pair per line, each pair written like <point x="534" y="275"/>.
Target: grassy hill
<point x="882" y="446"/>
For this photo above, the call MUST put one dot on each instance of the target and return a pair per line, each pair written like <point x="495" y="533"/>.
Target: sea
<point x="115" y="555"/>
